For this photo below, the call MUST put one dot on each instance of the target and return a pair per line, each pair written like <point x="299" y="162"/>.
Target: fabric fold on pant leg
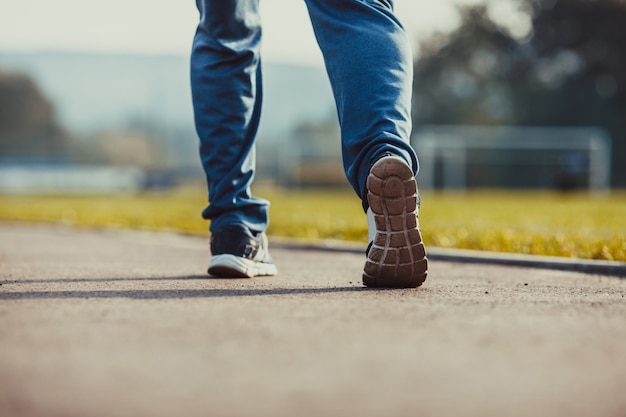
<point x="369" y="62"/>
<point x="226" y="81"/>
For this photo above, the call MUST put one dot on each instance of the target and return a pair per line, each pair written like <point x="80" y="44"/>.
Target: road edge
<point x="608" y="268"/>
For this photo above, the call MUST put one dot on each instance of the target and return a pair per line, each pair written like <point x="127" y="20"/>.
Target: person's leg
<point x="369" y="62"/>
<point x="226" y="91"/>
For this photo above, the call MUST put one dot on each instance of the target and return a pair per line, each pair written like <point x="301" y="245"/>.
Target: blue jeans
<point x="369" y="63"/>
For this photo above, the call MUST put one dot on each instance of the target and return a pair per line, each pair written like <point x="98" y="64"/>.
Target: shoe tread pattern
<point x="397" y="257"/>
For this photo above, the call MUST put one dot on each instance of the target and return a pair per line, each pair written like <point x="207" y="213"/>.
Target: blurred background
<point x="530" y="94"/>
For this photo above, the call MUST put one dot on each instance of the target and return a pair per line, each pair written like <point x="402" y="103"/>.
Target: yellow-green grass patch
<point x="570" y="225"/>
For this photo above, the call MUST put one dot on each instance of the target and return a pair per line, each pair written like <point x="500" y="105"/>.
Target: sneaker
<point x="396" y="256"/>
<point x="238" y="253"/>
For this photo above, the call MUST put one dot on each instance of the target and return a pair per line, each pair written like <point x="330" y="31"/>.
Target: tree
<point x="461" y="77"/>
<point x="28" y="127"/>
<point x="569" y="71"/>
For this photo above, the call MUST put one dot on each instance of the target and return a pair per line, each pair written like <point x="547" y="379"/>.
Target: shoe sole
<point x="397" y="257"/>
<point x="231" y="266"/>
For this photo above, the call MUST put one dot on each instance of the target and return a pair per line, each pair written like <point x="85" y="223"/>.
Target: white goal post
<point x="462" y="157"/>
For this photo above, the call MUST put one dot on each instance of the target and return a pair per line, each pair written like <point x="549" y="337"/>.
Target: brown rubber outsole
<point x="397" y="257"/>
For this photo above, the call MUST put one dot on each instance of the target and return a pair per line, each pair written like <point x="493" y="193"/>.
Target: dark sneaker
<point x="396" y="256"/>
<point x="237" y="253"/>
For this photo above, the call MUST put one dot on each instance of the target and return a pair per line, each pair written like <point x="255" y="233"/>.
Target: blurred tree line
<point x="567" y="69"/>
<point x="30" y="132"/>
<point x="28" y="125"/>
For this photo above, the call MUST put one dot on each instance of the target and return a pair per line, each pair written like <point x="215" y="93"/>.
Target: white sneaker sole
<point x="397" y="257"/>
<point x="231" y="266"/>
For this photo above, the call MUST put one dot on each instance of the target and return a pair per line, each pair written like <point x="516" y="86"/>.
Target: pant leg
<point x="227" y="91"/>
<point x="370" y="66"/>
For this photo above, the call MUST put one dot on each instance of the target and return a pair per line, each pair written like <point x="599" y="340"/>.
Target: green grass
<point x="572" y="225"/>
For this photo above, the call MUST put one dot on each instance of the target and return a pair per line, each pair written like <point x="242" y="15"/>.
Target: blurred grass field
<point x="568" y="225"/>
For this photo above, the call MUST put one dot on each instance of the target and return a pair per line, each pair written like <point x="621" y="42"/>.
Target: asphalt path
<point x="120" y="323"/>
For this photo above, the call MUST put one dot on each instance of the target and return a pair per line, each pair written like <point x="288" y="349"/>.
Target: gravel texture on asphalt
<point x="123" y="323"/>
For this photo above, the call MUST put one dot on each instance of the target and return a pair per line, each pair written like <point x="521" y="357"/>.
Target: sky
<point x="167" y="26"/>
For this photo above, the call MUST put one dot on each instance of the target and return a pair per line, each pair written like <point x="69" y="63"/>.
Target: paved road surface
<point x="126" y="324"/>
